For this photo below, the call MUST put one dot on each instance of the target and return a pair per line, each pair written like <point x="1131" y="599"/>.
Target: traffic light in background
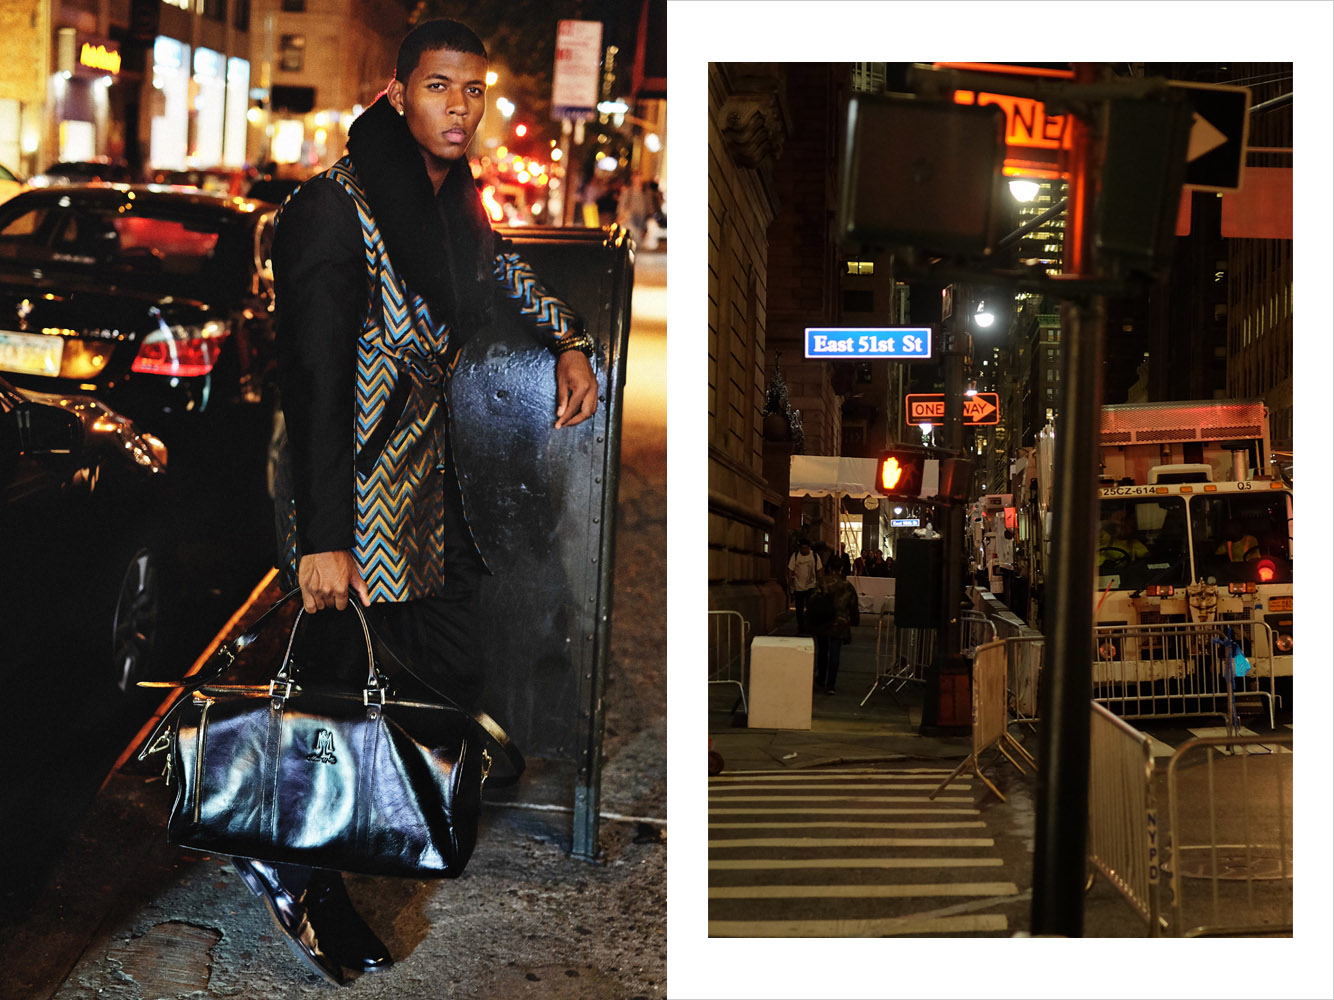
<point x="899" y="473"/>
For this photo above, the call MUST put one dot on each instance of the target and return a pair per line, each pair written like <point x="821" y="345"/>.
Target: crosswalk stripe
<point x="831" y="787"/>
<point x="788" y="864"/>
<point x="883" y="927"/>
<point x="1158" y="748"/>
<point x="724" y="779"/>
<point x="1212" y="731"/>
<point x="840" y="798"/>
<point x="845" y="824"/>
<point x="909" y="891"/>
<point x="844" y="811"/>
<point x="789" y="772"/>
<point x="734" y="843"/>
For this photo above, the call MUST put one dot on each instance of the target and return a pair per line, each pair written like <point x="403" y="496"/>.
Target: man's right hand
<point x="326" y="578"/>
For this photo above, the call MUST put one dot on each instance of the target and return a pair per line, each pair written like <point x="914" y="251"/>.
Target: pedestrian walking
<point x="833" y="631"/>
<point x="383" y="265"/>
<point x="803" y="574"/>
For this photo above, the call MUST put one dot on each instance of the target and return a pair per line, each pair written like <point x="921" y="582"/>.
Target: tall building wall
<point x="747" y="129"/>
<point x="804" y="265"/>
<point x="1259" y="300"/>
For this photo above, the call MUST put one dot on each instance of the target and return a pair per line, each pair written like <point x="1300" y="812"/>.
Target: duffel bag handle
<point x="285" y="678"/>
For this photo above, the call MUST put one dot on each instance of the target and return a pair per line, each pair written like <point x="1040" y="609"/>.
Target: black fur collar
<point x="450" y="270"/>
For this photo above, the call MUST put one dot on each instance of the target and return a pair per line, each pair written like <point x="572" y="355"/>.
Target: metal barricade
<point x="1123" y="818"/>
<point x="729" y="651"/>
<point x="1182" y="669"/>
<point x="990" y="718"/>
<point x="1229" y="840"/>
<point x="1023" y="664"/>
<point x="901" y="655"/>
<point x="975" y="628"/>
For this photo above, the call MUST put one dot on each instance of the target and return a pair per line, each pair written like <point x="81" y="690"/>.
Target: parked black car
<point x="103" y="170"/>
<point x="157" y="302"/>
<point x="83" y="538"/>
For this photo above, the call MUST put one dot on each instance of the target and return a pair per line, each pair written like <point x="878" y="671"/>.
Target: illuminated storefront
<point x="169" y="133"/>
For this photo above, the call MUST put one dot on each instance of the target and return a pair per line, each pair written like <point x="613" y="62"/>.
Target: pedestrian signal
<point x="900" y="474"/>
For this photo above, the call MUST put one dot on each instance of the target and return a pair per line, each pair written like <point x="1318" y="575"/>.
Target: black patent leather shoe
<point x="293" y="918"/>
<point x="341" y="926"/>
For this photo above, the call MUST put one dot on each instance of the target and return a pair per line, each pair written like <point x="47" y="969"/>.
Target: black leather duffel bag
<point x="354" y="781"/>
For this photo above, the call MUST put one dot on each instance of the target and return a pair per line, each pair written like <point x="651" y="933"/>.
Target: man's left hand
<point x="576" y="389"/>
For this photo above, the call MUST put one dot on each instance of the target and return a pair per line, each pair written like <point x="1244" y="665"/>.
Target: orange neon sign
<point x="1035" y="141"/>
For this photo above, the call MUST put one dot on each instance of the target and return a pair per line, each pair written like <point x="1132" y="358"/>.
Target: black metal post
<point x="1063" y="748"/>
<point x="952" y="578"/>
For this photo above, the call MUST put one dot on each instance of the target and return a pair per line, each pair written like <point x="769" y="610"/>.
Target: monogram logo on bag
<point x="324" y="748"/>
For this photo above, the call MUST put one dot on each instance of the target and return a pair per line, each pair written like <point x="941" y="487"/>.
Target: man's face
<point x="442" y="101"/>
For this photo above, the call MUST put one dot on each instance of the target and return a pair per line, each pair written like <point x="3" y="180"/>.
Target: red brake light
<point x="181" y="350"/>
<point x="1266" y="570"/>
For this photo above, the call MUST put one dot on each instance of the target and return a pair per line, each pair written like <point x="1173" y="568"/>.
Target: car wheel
<point x="134" y="617"/>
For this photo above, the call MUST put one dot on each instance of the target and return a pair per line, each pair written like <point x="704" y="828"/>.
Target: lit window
<point x="861" y="267"/>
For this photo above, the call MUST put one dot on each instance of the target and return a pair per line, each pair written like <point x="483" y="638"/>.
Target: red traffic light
<point x="899" y="474"/>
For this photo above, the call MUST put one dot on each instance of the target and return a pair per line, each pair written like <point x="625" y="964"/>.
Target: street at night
<point x="1002" y="551"/>
<point x="154" y="400"/>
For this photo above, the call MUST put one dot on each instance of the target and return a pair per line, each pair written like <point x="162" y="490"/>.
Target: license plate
<point x="30" y="353"/>
<point x="1280" y="604"/>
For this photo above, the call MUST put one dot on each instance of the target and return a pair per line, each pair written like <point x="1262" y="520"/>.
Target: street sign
<point x="903" y="343"/>
<point x="1221" y="117"/>
<point x="574" y="82"/>
<point x="905" y="522"/>
<point x="1035" y="141"/>
<point x="980" y="410"/>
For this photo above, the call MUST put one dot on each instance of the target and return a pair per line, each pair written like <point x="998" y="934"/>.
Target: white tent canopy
<point x="834" y="475"/>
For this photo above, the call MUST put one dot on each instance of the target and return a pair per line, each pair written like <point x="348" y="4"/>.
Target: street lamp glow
<point x="925" y="426"/>
<point x="982" y="318"/>
<point x="972" y="387"/>
<point x="1024" y="190"/>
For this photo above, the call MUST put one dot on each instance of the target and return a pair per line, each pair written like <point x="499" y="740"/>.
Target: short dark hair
<point x="430" y="36"/>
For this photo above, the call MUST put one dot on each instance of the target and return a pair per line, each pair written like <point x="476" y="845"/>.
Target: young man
<point x="383" y="266"/>
<point x="803" y="571"/>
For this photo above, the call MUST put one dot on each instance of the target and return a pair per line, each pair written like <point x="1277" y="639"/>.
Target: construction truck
<point x="1194" y="549"/>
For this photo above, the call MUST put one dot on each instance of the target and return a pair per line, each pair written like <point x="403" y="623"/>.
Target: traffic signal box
<point x="899" y="473"/>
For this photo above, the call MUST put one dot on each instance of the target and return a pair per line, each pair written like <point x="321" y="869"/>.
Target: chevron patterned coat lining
<point x="404" y="359"/>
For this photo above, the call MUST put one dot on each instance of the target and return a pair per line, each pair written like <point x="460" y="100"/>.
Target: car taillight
<point x="1266" y="570"/>
<point x="181" y="350"/>
<point x="1163" y="590"/>
<point x="1241" y="588"/>
<point x="1283" y="642"/>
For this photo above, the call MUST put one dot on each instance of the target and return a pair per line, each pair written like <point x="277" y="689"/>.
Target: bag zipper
<point x="199" y="755"/>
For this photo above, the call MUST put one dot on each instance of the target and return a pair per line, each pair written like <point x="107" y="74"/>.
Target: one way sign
<point x="980" y="410"/>
<point x="1220" y="125"/>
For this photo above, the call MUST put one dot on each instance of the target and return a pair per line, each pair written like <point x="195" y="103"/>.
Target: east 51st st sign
<point x="903" y="343"/>
<point x="980" y="410"/>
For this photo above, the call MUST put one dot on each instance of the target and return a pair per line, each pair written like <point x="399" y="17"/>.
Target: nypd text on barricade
<point x="866" y="342"/>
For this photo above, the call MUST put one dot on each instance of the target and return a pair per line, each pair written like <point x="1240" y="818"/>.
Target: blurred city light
<point x="613" y="107"/>
<point x="521" y="130"/>
<point x="492" y="77"/>
<point x="652" y="142"/>
<point x="505" y="106"/>
<point x="556" y="154"/>
<point x="983" y="319"/>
